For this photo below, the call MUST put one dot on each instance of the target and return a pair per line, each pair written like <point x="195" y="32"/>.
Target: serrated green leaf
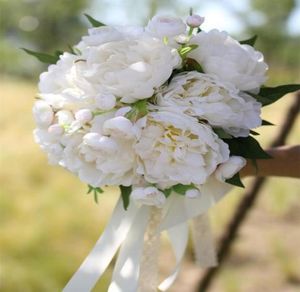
<point x="250" y="42"/>
<point x="125" y="194"/>
<point x="93" y="21"/>
<point x="266" y="123"/>
<point x="181" y="189"/>
<point x="222" y="134"/>
<point x="42" y="57"/>
<point x="247" y="147"/>
<point x="268" y="95"/>
<point x="235" y="180"/>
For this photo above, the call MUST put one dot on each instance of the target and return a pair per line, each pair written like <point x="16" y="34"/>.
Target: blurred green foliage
<point x="42" y="25"/>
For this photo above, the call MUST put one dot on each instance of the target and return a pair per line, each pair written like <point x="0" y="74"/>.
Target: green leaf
<point x="254" y="133"/>
<point x="181" y="189"/>
<point x="266" y="123"/>
<point x="246" y="147"/>
<point x="139" y="110"/>
<point x="167" y="192"/>
<point x="250" y="42"/>
<point x="193" y="65"/>
<point x="93" y="21"/>
<point x="125" y="194"/>
<point x="235" y="180"/>
<point x="42" y="57"/>
<point x="268" y="95"/>
<point x="95" y="191"/>
<point x="222" y="134"/>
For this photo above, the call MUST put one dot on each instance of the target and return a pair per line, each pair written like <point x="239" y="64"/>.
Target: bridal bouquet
<point x="166" y="112"/>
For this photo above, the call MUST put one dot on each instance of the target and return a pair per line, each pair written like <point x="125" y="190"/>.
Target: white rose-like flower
<point x="225" y="57"/>
<point x="150" y="196"/>
<point x="165" y="26"/>
<point x="207" y="97"/>
<point x="131" y="70"/>
<point x="229" y="168"/>
<point x="174" y="148"/>
<point x="43" y="114"/>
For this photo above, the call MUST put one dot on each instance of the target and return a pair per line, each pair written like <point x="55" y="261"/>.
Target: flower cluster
<point x="150" y="108"/>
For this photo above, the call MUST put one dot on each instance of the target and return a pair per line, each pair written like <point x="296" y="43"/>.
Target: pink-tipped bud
<point x="194" y="20"/>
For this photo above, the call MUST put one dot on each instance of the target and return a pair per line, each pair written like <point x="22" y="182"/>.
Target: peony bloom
<point x="206" y="97"/>
<point x="130" y="70"/>
<point x="225" y="57"/>
<point x="173" y="148"/>
<point x="150" y="196"/>
<point x="165" y="26"/>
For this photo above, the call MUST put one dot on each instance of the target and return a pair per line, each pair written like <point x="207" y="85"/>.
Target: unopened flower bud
<point x="192" y="194"/>
<point x="107" y="144"/>
<point x="123" y="111"/>
<point x="195" y="20"/>
<point x="84" y="116"/>
<point x="43" y="113"/>
<point x="56" y="130"/>
<point x="92" y="140"/>
<point x="106" y="101"/>
<point x="119" y="127"/>
<point x="182" y="39"/>
<point x="64" y="117"/>
<point x="229" y="168"/>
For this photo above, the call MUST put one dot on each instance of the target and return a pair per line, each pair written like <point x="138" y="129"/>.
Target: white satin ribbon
<point x="127" y="228"/>
<point x="126" y="272"/>
<point x="179" y="238"/>
<point x="106" y="247"/>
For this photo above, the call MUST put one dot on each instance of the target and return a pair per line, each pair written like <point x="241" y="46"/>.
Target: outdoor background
<point x="47" y="222"/>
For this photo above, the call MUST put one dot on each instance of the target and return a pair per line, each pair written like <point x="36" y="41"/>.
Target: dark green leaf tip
<point x="93" y="21"/>
<point x="250" y="42"/>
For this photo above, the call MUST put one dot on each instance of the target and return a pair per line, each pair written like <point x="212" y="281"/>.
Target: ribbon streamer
<point x="127" y="229"/>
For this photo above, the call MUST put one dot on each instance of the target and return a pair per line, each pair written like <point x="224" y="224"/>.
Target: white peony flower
<point x="225" y="57"/>
<point x="165" y="26"/>
<point x="229" y="168"/>
<point x="105" y="34"/>
<point x="101" y="35"/>
<point x="174" y="148"/>
<point x="131" y="70"/>
<point x="43" y="114"/>
<point x="206" y="97"/>
<point x="150" y="196"/>
<point x="107" y="161"/>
